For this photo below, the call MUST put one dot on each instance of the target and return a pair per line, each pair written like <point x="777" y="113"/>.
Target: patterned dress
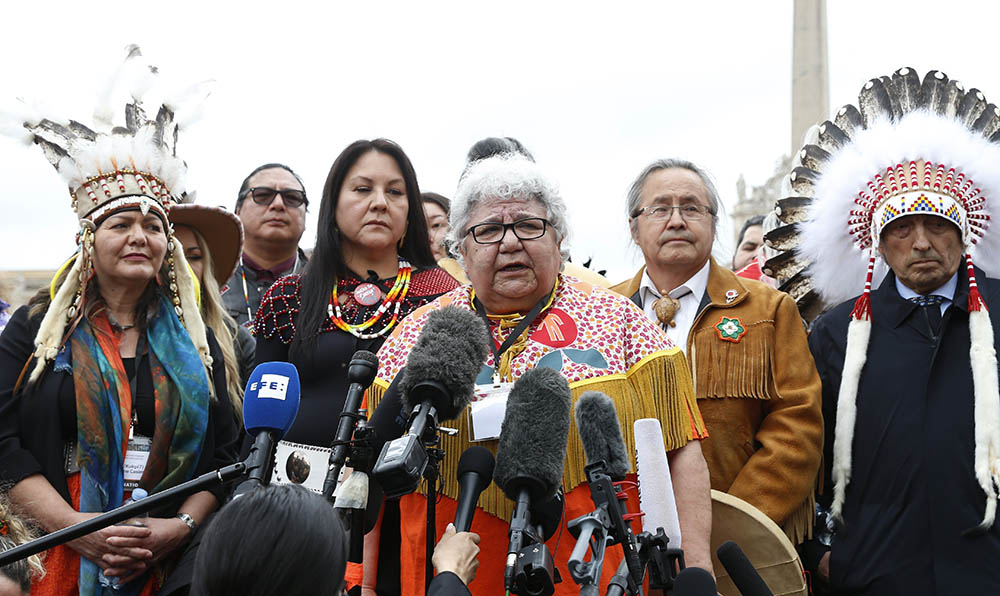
<point x="599" y="341"/>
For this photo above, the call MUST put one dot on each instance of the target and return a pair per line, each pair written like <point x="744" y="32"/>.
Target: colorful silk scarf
<point x="104" y="413"/>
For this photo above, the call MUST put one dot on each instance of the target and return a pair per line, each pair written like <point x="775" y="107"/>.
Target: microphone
<point x="360" y="374"/>
<point x="270" y="403"/>
<point x="601" y="434"/>
<point x="607" y="461"/>
<point x="437" y="384"/>
<point x="529" y="469"/>
<point x="694" y="581"/>
<point x="741" y="570"/>
<point x="475" y="470"/>
<point x="656" y="490"/>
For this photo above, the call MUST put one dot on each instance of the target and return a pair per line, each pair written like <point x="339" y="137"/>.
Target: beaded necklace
<point x="394" y="299"/>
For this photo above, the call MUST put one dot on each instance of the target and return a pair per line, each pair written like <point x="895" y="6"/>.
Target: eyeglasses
<point x="263" y="195"/>
<point x="664" y="212"/>
<point x="528" y="228"/>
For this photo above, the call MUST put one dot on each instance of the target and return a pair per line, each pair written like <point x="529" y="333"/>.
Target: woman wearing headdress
<point x="109" y="379"/>
<point x="212" y="238"/>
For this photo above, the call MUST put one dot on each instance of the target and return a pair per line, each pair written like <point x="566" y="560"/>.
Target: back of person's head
<point x="493" y="146"/>
<point x="15" y="578"/>
<point x="277" y="540"/>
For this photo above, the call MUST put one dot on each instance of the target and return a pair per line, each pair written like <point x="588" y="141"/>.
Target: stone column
<point x="810" y="71"/>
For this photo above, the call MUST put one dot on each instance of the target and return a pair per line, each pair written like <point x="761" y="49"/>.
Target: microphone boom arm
<point x="205" y="481"/>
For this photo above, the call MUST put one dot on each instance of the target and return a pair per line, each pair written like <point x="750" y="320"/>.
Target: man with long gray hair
<point x="756" y="383"/>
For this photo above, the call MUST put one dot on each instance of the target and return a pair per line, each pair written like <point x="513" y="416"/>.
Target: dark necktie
<point x="931" y="305"/>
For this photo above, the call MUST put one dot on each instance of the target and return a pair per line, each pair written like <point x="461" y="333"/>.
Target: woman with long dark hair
<point x="371" y="267"/>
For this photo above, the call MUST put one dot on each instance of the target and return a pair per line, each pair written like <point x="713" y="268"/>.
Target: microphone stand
<point x="430" y="439"/>
<point x="205" y="481"/>
<point x="361" y="459"/>
<point x="431" y="473"/>
<point x="611" y="526"/>
<point x="663" y="563"/>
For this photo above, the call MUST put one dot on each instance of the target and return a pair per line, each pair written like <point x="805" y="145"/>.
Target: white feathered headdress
<point x="111" y="168"/>
<point x="910" y="147"/>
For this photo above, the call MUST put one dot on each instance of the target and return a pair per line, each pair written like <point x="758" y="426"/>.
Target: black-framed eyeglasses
<point x="528" y="228"/>
<point x="689" y="212"/>
<point x="263" y="195"/>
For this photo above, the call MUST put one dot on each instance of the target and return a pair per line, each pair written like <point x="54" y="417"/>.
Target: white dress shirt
<point x="947" y="291"/>
<point x="690" y="294"/>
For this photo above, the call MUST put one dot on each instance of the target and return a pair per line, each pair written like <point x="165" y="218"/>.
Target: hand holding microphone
<point x="270" y="403"/>
<point x="457" y="552"/>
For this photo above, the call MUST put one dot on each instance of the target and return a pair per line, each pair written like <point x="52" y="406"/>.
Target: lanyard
<point x="140" y="356"/>
<point x="521" y="327"/>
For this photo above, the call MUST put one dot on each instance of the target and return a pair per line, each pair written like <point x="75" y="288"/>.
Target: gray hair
<point x="503" y="178"/>
<point x="635" y="190"/>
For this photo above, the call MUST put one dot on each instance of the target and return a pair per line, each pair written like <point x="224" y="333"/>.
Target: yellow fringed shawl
<point x="643" y="373"/>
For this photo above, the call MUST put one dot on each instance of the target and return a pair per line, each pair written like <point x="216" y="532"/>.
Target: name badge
<point x="305" y="465"/>
<point x="136" y="457"/>
<point x="489" y="404"/>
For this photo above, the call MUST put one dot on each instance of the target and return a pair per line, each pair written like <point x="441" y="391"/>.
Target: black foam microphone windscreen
<point x="532" y="448"/>
<point x="601" y="434"/>
<point x="444" y="363"/>
<point x="741" y="570"/>
<point x="694" y="581"/>
<point x="475" y="470"/>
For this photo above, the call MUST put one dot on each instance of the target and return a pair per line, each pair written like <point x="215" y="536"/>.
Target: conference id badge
<point x="136" y="457"/>
<point x="489" y="404"/>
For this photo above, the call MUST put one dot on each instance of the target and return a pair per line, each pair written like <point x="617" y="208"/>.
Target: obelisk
<point x="810" y="75"/>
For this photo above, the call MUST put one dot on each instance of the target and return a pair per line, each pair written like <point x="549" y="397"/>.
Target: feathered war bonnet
<point x="909" y="147"/>
<point x="109" y="169"/>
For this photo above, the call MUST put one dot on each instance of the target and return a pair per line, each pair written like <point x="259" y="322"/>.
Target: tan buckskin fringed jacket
<point x="759" y="394"/>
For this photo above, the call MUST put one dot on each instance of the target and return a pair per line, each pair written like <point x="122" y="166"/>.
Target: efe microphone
<point x="360" y="374"/>
<point x="475" y="471"/>
<point x="437" y="384"/>
<point x="530" y="458"/>
<point x="270" y="403"/>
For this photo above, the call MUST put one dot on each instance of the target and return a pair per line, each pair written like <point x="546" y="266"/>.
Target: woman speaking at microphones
<point x="509" y="228"/>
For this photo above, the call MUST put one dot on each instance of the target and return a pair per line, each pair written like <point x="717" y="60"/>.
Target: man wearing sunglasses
<point x="756" y="383"/>
<point x="272" y="206"/>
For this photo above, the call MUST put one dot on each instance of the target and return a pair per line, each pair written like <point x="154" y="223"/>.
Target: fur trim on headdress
<point x="50" y="338"/>
<point x="858" y="332"/>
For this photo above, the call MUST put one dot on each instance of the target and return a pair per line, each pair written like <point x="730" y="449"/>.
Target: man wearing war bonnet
<point x="901" y="191"/>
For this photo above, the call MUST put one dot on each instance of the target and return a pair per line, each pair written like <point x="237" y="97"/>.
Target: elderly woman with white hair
<point x="509" y="228"/>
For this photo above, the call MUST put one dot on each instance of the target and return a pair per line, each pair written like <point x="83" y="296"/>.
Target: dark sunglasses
<point x="263" y="195"/>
